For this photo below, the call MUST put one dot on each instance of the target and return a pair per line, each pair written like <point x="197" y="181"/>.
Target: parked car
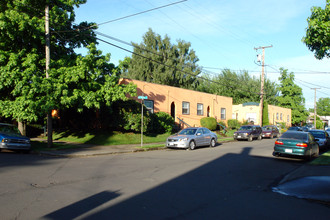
<point x="270" y="131"/>
<point x="296" y="143"/>
<point x="12" y="139"/>
<point x="295" y="128"/>
<point x="322" y="137"/>
<point x="190" y="138"/>
<point x="248" y="132"/>
<point x="328" y="131"/>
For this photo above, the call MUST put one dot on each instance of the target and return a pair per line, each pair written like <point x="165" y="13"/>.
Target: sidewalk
<point x="88" y="150"/>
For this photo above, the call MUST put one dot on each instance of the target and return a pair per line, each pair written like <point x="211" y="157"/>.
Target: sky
<point x="223" y="33"/>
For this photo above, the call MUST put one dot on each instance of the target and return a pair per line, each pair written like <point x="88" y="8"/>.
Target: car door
<point x="199" y="137"/>
<point x="207" y="136"/>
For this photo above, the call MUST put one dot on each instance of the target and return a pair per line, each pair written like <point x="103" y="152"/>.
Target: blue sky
<point x="223" y="34"/>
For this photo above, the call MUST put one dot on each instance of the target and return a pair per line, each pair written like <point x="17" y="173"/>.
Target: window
<point x="276" y="116"/>
<point x="200" y="109"/>
<point x="149" y="105"/>
<point x="281" y="117"/>
<point x="185" y="108"/>
<point x="223" y="113"/>
<point x="288" y="119"/>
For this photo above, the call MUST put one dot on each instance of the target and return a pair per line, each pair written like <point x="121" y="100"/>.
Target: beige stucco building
<point x="187" y="105"/>
<point x="251" y="112"/>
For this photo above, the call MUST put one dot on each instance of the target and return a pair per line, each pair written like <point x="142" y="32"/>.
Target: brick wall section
<point x="169" y="99"/>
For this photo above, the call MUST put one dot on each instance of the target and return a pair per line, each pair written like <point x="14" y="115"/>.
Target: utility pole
<point x="262" y="80"/>
<point x="315" y="107"/>
<point x="49" y="115"/>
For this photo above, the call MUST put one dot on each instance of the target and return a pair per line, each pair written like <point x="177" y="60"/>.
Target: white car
<point x="190" y="138"/>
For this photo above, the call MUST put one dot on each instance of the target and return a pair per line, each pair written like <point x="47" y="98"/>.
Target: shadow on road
<point x="211" y="191"/>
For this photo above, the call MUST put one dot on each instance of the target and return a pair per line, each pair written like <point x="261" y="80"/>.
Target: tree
<point x="75" y="81"/>
<point x="157" y="60"/>
<point x="265" y="117"/>
<point x="240" y="86"/>
<point x="323" y="106"/>
<point x="291" y="97"/>
<point x="317" y="37"/>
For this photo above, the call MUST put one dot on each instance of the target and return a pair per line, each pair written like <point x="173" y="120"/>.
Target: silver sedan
<point x="190" y="138"/>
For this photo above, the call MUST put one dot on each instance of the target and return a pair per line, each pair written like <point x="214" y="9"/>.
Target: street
<point x="231" y="181"/>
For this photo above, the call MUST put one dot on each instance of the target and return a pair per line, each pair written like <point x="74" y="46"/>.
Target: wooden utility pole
<point x="315" y="107"/>
<point x="262" y="81"/>
<point x="49" y="115"/>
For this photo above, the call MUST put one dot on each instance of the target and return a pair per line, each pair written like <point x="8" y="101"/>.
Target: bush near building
<point x="209" y="122"/>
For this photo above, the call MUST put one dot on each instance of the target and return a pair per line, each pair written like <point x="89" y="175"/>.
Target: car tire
<point x="271" y="137"/>
<point x="259" y="137"/>
<point x="213" y="143"/>
<point x="192" y="145"/>
<point x="250" y="138"/>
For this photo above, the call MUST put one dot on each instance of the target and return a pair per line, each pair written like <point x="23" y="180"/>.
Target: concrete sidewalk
<point x="88" y="150"/>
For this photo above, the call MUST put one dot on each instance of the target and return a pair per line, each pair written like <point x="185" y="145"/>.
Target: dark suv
<point x="248" y="132"/>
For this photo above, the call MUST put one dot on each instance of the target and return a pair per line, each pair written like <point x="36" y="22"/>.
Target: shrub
<point x="166" y="122"/>
<point x="209" y="122"/>
<point x="233" y="124"/>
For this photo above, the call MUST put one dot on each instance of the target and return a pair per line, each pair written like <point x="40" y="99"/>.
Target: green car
<point x="296" y="143"/>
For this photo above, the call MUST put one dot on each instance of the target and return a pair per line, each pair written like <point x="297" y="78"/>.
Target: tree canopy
<point x="75" y="81"/>
<point x="240" y="86"/>
<point x="157" y="60"/>
<point x="317" y="37"/>
<point x="323" y="107"/>
<point x="291" y="97"/>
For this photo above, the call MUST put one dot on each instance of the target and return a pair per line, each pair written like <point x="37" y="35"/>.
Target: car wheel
<point x="259" y="137"/>
<point x="250" y="138"/>
<point x="213" y="143"/>
<point x="271" y="137"/>
<point x="192" y="145"/>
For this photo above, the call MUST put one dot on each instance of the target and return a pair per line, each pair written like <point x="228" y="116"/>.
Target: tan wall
<point x="278" y="114"/>
<point x="241" y="112"/>
<point x="164" y="96"/>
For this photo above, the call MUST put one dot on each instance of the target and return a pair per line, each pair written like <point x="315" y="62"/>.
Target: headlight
<point x="183" y="139"/>
<point x="5" y="140"/>
<point x="246" y="134"/>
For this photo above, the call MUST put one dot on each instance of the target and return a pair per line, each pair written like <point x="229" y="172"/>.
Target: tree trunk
<point x="22" y="127"/>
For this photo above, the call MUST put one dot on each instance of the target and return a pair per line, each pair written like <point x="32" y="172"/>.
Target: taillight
<point x="301" y="145"/>
<point x="279" y="142"/>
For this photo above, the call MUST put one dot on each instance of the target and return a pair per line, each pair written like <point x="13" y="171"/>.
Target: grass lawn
<point x="323" y="159"/>
<point x="114" y="138"/>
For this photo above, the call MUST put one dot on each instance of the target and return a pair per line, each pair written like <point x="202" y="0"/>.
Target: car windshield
<point x="318" y="134"/>
<point x="188" y="131"/>
<point x="8" y="129"/>
<point x="295" y="135"/>
<point x="266" y="128"/>
<point x="245" y="128"/>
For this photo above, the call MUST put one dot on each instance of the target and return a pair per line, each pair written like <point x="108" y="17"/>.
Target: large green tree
<point x="317" y="36"/>
<point x="157" y="60"/>
<point x="323" y="106"/>
<point x="240" y="86"/>
<point x="74" y="81"/>
<point x="291" y="97"/>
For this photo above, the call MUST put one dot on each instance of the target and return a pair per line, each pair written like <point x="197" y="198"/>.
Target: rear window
<point x="295" y="135"/>
<point x="318" y="134"/>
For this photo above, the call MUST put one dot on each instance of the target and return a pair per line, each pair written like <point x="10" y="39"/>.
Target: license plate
<point x="288" y="150"/>
<point x="239" y="136"/>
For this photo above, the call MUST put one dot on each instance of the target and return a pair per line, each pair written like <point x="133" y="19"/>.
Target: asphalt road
<point x="231" y="181"/>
